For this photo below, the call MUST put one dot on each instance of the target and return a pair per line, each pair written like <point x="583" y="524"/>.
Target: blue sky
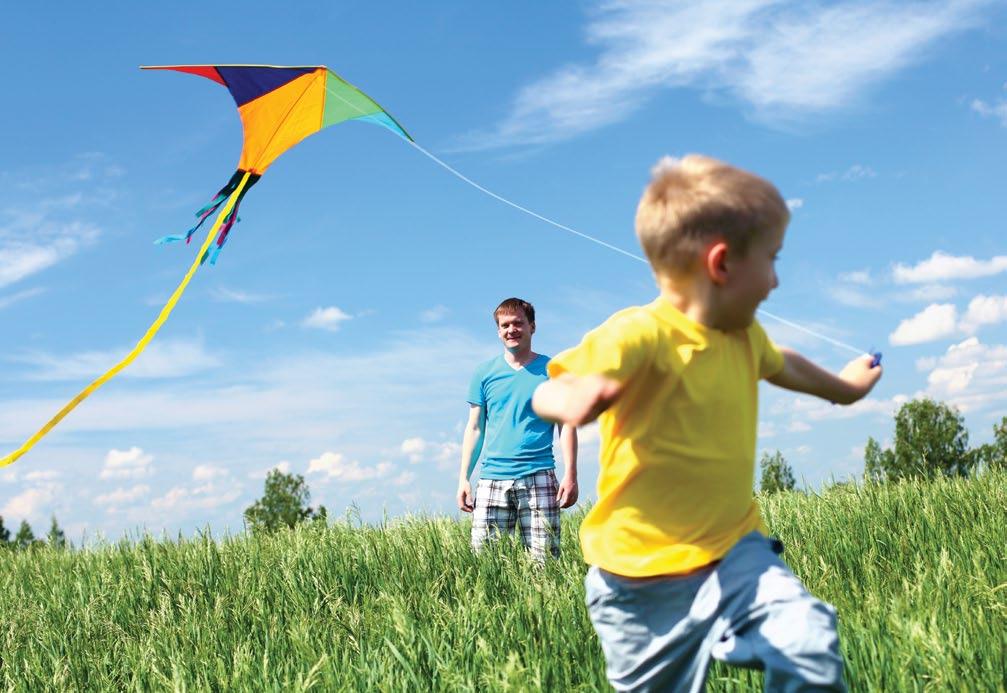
<point x="337" y="333"/>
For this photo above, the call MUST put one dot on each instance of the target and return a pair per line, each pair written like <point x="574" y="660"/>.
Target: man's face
<point x="515" y="331"/>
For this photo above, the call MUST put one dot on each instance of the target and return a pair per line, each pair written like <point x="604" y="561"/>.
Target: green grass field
<point x="917" y="571"/>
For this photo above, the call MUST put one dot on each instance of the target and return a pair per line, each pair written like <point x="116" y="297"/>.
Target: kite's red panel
<point x="208" y="71"/>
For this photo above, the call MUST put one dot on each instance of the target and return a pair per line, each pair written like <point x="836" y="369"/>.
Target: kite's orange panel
<point x="277" y="121"/>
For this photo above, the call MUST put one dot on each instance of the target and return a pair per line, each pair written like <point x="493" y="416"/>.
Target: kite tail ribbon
<point x="245" y="180"/>
<point x="212" y="206"/>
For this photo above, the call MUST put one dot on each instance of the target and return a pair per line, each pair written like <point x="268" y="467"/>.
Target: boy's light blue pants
<point x="659" y="633"/>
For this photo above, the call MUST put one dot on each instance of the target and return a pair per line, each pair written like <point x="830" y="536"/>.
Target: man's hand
<point x="465" y="500"/>
<point x="860" y="376"/>
<point x="568" y="491"/>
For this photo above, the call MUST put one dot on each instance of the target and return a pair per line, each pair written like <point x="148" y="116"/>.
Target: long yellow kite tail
<point x="144" y="341"/>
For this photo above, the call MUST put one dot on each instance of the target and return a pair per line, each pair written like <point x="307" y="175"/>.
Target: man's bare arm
<point x="472" y="443"/>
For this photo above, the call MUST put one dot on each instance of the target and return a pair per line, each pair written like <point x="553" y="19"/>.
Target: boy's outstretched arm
<point x="575" y="400"/>
<point x="851" y="384"/>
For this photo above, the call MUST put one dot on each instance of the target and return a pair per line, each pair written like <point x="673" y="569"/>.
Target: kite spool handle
<point x="876" y="359"/>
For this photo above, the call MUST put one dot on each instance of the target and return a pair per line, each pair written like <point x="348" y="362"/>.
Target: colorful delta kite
<point x="279" y="107"/>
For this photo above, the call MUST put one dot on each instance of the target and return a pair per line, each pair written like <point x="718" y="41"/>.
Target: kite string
<point x="140" y="345"/>
<point x="585" y="236"/>
<point x="492" y="194"/>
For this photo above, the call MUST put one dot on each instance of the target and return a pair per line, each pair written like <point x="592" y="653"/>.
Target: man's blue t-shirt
<point x="516" y="442"/>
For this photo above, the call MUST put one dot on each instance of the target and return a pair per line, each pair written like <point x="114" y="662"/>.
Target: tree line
<point x="930" y="441"/>
<point x="25" y="538"/>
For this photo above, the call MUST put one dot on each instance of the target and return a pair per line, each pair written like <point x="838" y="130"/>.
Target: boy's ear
<point x="716" y="262"/>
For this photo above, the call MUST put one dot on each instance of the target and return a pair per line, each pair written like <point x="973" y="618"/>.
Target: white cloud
<point x="207" y="472"/>
<point x="934" y="322"/>
<point x="435" y="314"/>
<point x="42" y="475"/>
<point x="122" y="496"/>
<point x="862" y="277"/>
<point x="225" y="295"/>
<point x="784" y="58"/>
<point x="996" y="110"/>
<point x="795" y="203"/>
<point x="970" y="375"/>
<point x="928" y="293"/>
<point x="413" y="447"/>
<point x="404" y="479"/>
<point x="853" y="173"/>
<point x="944" y="267"/>
<point x="326" y="318"/>
<point x="336" y="466"/>
<point x="181" y="499"/>
<point x="804" y="409"/>
<point x="127" y="464"/>
<point x="31" y="503"/>
<point x="11" y="299"/>
<point x="20" y="259"/>
<point x="798" y="427"/>
<point x="162" y="359"/>
<point x="984" y="310"/>
<point x="443" y="454"/>
<point x="853" y="297"/>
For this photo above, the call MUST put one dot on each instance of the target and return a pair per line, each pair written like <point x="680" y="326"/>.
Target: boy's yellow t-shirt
<point x="678" y="446"/>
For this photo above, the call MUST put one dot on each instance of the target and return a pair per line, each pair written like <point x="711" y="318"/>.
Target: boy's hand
<point x="465" y="496"/>
<point x="860" y="376"/>
<point x="568" y="491"/>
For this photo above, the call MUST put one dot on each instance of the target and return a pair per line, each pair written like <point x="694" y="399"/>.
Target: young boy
<point x="682" y="570"/>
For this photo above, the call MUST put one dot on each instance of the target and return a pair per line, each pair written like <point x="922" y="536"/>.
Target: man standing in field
<point x="517" y="484"/>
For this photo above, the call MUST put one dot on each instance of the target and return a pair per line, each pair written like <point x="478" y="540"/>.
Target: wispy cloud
<point x="181" y="499"/>
<point x="784" y="59"/>
<point x="119" y="497"/>
<point x="164" y="359"/>
<point x="226" y="295"/>
<point x="444" y="454"/>
<point x="326" y="318"/>
<point x="942" y="266"/>
<point x="435" y="314"/>
<point x="861" y="277"/>
<point x="55" y="226"/>
<point x="55" y="242"/>
<point x="11" y="299"/>
<point x="853" y="173"/>
<point x="996" y="110"/>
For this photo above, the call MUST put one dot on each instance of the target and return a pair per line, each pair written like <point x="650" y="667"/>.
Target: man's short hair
<point x="695" y="200"/>
<point x="515" y="306"/>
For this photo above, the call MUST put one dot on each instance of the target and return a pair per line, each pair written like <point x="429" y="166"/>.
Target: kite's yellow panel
<point x="277" y="121"/>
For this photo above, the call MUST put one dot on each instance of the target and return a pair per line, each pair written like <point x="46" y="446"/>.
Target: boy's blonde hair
<point x="695" y="200"/>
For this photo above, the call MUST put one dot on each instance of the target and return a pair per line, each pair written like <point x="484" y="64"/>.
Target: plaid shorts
<point x="529" y="503"/>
